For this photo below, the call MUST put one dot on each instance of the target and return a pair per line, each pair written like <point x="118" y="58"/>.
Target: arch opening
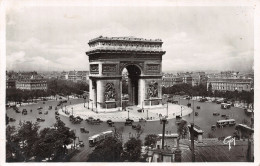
<point x="130" y="85"/>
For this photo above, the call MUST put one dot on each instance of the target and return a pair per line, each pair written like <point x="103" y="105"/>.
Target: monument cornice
<point x="149" y="52"/>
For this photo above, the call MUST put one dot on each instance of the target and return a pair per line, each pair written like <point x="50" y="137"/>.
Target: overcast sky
<point x="195" y="38"/>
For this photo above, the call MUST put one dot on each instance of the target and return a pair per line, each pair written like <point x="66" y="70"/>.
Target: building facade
<point x="230" y="84"/>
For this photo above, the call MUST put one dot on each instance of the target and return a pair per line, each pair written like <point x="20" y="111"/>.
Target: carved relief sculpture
<point x="153" y="89"/>
<point x="110" y="93"/>
<point x="94" y="68"/>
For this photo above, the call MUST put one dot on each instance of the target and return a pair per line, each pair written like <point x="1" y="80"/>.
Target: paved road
<point x="204" y="120"/>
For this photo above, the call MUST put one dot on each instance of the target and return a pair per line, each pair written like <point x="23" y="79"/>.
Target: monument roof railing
<point x="129" y="48"/>
<point x="125" y="39"/>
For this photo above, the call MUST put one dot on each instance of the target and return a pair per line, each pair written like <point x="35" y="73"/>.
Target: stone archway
<point x="109" y="56"/>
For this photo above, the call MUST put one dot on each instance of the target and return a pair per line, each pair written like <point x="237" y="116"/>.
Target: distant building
<point x="230" y="84"/>
<point x="199" y="78"/>
<point x="30" y="81"/>
<point x="186" y="77"/>
<point x="75" y="76"/>
<point x="10" y="83"/>
<point x="170" y="80"/>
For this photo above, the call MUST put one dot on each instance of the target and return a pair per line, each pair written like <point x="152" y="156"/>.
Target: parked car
<point x="142" y="120"/>
<point x="140" y="110"/>
<point x="128" y="122"/>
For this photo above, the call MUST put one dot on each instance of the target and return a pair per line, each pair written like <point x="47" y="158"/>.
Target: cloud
<point x="195" y="38"/>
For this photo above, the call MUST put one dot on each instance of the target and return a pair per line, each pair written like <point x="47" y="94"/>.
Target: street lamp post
<point x="167" y="109"/>
<point x="128" y="114"/>
<point x="163" y="134"/>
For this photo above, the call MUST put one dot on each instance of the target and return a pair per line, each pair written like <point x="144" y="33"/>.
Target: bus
<point x="226" y="122"/>
<point x="93" y="140"/>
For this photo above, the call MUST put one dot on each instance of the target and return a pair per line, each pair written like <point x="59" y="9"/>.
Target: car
<point x="44" y="99"/>
<point x="136" y="127"/>
<point x="216" y="114"/>
<point x="40" y="112"/>
<point x="12" y="120"/>
<point x="223" y="115"/>
<point x="142" y="120"/>
<point x="46" y="113"/>
<point x="196" y="114"/>
<point x="189" y="104"/>
<point x="203" y="99"/>
<point x="128" y="122"/>
<point x="17" y="111"/>
<point x="188" y="98"/>
<point x="24" y="112"/>
<point x="109" y="121"/>
<point x="140" y="110"/>
<point x="110" y="124"/>
<point x="50" y="107"/>
<point x="213" y="127"/>
<point x="81" y="144"/>
<point x="83" y="130"/>
<point x="198" y="107"/>
<point x="40" y="119"/>
<point x="39" y="108"/>
<point x="57" y="113"/>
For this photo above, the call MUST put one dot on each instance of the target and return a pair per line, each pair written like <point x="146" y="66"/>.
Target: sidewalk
<point x="120" y="116"/>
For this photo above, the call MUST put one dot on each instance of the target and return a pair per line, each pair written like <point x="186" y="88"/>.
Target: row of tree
<point x="28" y="142"/>
<point x="113" y="150"/>
<point x="201" y="90"/>
<point x="55" y="87"/>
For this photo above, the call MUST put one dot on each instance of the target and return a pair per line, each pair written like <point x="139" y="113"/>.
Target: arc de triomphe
<point x="142" y="58"/>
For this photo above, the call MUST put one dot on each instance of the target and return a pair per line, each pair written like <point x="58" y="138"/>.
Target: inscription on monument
<point x="109" y="68"/>
<point x="153" y="68"/>
<point x="94" y="68"/>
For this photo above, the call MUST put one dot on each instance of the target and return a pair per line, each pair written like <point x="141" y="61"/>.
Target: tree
<point x="182" y="130"/>
<point x="132" y="150"/>
<point x="13" y="151"/>
<point x="150" y="139"/>
<point x="109" y="150"/>
<point x="28" y="135"/>
<point x="53" y="141"/>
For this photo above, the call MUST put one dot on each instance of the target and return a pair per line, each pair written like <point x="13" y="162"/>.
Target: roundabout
<point x="133" y="112"/>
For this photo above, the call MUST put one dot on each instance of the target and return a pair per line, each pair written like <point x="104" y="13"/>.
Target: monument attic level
<point x="108" y="56"/>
